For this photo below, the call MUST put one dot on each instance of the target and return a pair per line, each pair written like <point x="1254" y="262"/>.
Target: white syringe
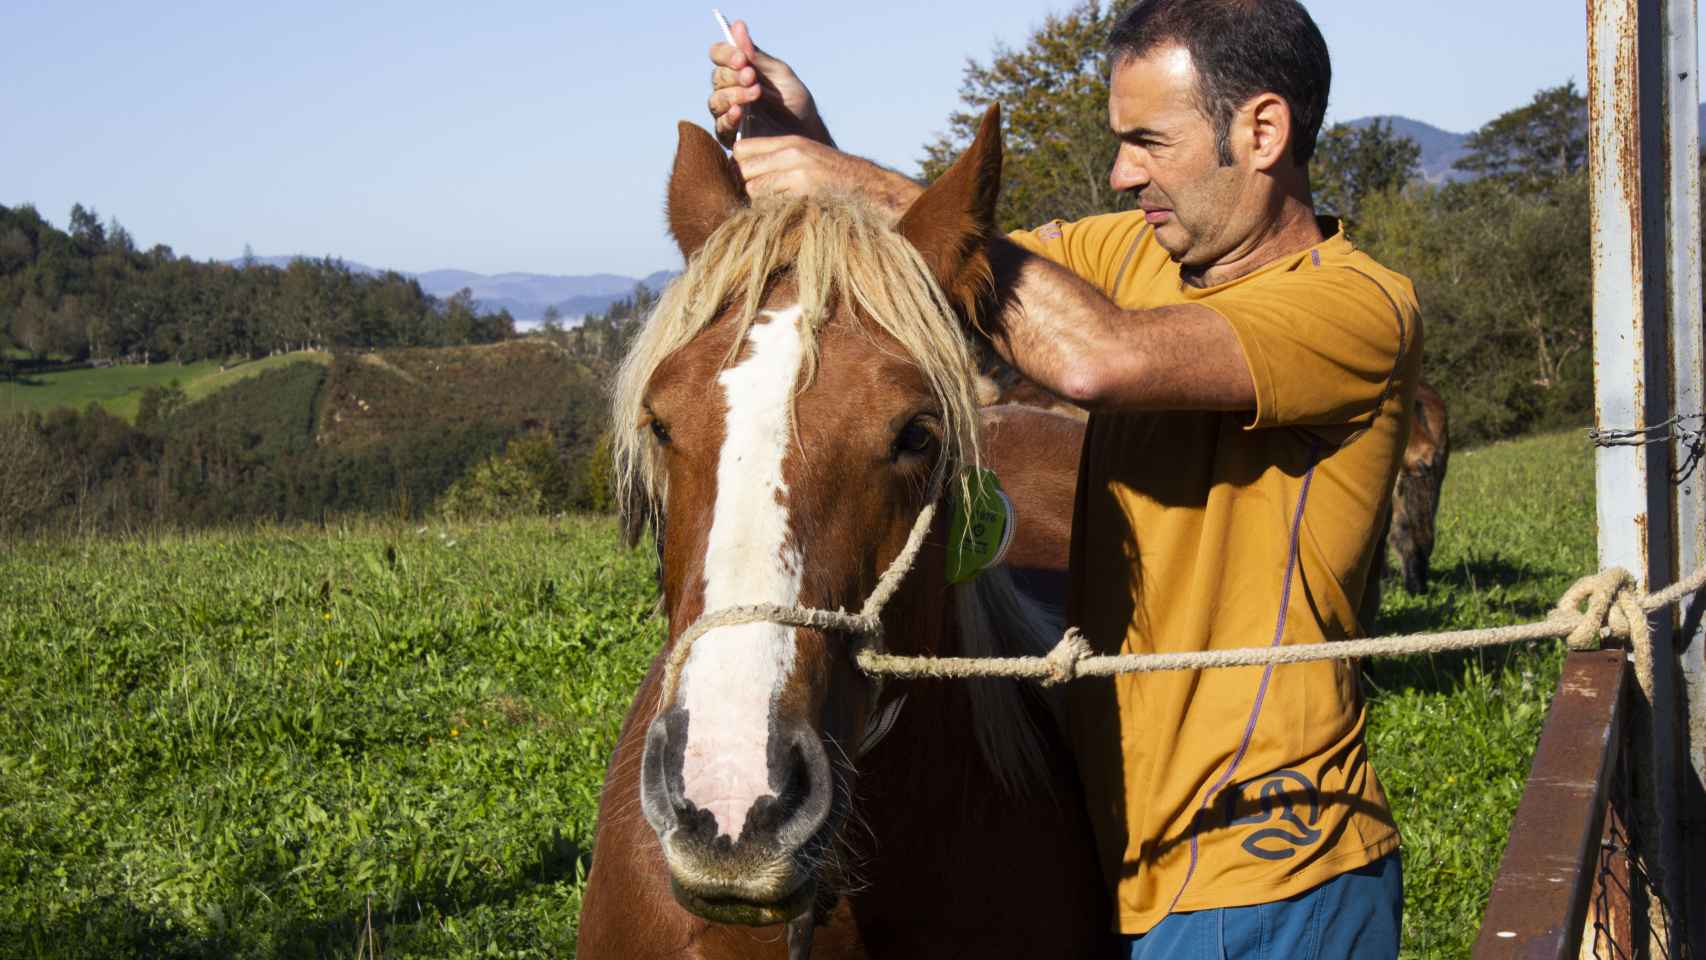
<point x="729" y="35"/>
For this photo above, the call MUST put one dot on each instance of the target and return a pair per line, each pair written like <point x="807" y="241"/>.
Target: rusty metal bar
<point x="1540" y="901"/>
<point x="1630" y="160"/>
<point x="1626" y="164"/>
<point x="1688" y="396"/>
<point x="1620" y="333"/>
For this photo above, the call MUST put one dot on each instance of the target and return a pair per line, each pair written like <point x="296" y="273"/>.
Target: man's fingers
<point x="763" y="150"/>
<point x="726" y="97"/>
<point x="769" y="185"/>
<point x="743" y="41"/>
<point x="725" y="54"/>
<point x="726" y="77"/>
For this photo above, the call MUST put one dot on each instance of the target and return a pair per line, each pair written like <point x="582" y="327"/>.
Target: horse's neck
<point x="931" y="749"/>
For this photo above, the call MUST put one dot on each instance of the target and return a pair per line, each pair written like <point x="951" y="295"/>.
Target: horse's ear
<point x="704" y="189"/>
<point x="952" y="222"/>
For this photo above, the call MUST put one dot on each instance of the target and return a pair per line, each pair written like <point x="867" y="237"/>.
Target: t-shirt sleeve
<point x="1324" y="346"/>
<point x="1092" y="248"/>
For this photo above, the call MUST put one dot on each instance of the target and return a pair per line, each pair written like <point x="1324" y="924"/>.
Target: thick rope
<point x="1615" y="606"/>
<point x="866" y="624"/>
<point x="1608" y="603"/>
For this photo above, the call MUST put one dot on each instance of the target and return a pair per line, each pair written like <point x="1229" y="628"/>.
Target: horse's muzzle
<point x="762" y="871"/>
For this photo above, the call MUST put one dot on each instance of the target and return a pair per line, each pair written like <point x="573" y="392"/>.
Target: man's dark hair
<point x="1240" y="48"/>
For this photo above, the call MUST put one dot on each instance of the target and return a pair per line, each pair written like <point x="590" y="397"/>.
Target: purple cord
<point x="1267" y="671"/>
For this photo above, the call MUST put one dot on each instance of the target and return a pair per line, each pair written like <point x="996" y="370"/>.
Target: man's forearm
<point x="1067" y="336"/>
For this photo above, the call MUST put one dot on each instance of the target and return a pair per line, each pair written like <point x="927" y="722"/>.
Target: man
<point x="1249" y="375"/>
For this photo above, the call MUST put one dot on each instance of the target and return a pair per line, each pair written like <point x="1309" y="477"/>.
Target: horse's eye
<point x="914" y="439"/>
<point x="660" y="431"/>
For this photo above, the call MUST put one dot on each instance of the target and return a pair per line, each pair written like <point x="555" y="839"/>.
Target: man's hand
<point x="796" y="166"/>
<point x="745" y="79"/>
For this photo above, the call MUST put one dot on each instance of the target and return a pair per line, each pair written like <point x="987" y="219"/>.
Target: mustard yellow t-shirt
<point x="1222" y="788"/>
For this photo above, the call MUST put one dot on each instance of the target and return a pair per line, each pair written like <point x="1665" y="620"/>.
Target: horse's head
<point x="800" y="394"/>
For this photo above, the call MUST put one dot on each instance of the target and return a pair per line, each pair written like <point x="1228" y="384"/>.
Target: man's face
<point x="1201" y="212"/>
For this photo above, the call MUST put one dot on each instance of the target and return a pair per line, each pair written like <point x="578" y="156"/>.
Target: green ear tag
<point x="981" y="528"/>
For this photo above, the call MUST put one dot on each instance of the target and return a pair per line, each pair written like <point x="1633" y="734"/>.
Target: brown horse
<point x="803" y="391"/>
<point x="1409" y="530"/>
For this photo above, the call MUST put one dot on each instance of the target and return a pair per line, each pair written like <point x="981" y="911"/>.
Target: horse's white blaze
<point x="733" y="674"/>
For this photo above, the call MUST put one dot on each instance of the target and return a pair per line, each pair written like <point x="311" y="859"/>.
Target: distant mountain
<point x="525" y="295"/>
<point x="1440" y="148"/>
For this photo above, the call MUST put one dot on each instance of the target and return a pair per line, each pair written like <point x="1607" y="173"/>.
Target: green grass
<point x="1452" y="736"/>
<point x="119" y="388"/>
<point x="223" y="745"/>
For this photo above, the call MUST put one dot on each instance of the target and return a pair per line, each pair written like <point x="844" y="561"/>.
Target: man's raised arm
<point x="1053" y="326"/>
<point x="1069" y="337"/>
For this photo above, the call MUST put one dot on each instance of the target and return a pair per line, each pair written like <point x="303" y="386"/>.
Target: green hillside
<point x="115" y="389"/>
<point x="118" y="389"/>
<point x="304" y="435"/>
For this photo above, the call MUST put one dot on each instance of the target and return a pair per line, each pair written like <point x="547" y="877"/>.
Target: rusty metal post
<point x="1645" y="275"/>
<point x="1688" y="383"/>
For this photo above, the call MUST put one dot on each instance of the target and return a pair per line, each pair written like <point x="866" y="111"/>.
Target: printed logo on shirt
<point x="1286" y="803"/>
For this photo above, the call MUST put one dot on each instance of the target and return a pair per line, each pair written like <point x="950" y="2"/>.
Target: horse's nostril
<point x="771" y="814"/>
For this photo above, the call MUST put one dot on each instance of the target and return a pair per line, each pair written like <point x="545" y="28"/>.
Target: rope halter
<point x="866" y="626"/>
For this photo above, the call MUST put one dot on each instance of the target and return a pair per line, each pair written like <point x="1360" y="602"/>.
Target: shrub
<point x="527" y="478"/>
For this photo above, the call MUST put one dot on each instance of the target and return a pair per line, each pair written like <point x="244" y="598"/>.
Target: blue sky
<point x="535" y="136"/>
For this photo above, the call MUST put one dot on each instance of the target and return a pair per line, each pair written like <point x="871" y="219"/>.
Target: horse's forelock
<point x="835" y="250"/>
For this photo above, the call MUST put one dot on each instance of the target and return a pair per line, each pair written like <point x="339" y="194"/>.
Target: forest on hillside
<point x="89" y="294"/>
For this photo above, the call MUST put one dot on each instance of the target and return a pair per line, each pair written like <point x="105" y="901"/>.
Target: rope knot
<point x="1608" y="597"/>
<point x="1062" y="661"/>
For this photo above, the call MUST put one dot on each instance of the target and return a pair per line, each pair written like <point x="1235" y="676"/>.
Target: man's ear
<point x="952" y="223"/>
<point x="1271" y="130"/>
<point x="704" y="189"/>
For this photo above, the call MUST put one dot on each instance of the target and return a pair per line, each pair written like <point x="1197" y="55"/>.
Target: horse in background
<point x="799" y="396"/>
<point x="1409" y="527"/>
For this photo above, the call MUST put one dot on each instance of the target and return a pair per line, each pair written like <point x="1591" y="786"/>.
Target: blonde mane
<point x="837" y="250"/>
<point x="840" y="250"/>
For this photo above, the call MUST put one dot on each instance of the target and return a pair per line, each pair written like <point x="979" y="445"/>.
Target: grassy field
<point x="238" y="744"/>
<point x="119" y="388"/>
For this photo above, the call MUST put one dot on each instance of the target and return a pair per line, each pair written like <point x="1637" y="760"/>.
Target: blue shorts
<point x="1354" y="915"/>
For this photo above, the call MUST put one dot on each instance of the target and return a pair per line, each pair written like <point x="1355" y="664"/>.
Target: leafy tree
<point x="1351" y="163"/>
<point x="1053" y="92"/>
<point x="119" y="239"/>
<point x="158" y="404"/>
<point x="597" y="478"/>
<point x="459" y="314"/>
<point x="1534" y="147"/>
<point x="15" y="249"/>
<point x="1504" y="287"/>
<point x="86" y="229"/>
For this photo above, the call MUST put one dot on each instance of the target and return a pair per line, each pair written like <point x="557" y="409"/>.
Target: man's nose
<point x="1129" y="172"/>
